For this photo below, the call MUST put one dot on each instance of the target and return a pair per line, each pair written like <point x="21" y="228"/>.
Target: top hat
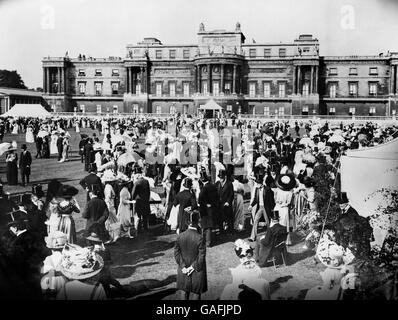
<point x="193" y="218"/>
<point x="16" y="216"/>
<point x="343" y="198"/>
<point x="187" y="183"/>
<point x="24" y="147"/>
<point x="275" y="215"/>
<point x="67" y="191"/>
<point x="37" y="190"/>
<point x="203" y="176"/>
<point x="260" y="178"/>
<point x="285" y="182"/>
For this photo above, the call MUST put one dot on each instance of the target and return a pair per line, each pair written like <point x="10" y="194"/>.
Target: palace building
<point x="249" y="78"/>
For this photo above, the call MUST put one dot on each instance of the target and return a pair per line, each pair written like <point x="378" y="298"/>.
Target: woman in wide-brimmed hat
<point x="12" y="164"/>
<point x="112" y="224"/>
<point x="66" y="207"/>
<point x="124" y="212"/>
<point x="283" y="200"/>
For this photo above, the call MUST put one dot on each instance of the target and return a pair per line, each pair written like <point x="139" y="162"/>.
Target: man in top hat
<point x="96" y="212"/>
<point x="208" y="204"/>
<point x="266" y="243"/>
<point x="141" y="194"/>
<point x="353" y="230"/>
<point x="92" y="181"/>
<point x="190" y="255"/>
<point x="60" y="146"/>
<point x="88" y="154"/>
<point x="263" y="203"/>
<point x="225" y="190"/>
<point x="25" y="161"/>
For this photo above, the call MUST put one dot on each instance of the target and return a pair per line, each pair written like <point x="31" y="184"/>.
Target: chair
<point x="281" y="250"/>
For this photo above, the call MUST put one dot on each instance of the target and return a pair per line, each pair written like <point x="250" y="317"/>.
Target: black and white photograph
<point x="220" y="151"/>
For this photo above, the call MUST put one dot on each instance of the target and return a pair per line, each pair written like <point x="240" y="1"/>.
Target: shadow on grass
<point x="143" y="286"/>
<point x="294" y="257"/>
<point x="122" y="272"/>
<point x="275" y="285"/>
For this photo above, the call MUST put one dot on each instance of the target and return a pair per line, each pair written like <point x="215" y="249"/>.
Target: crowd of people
<point x="204" y="170"/>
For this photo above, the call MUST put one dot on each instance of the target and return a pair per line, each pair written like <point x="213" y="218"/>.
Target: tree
<point x="11" y="79"/>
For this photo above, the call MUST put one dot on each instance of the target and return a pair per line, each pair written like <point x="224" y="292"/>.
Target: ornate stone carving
<point x="201" y="27"/>
<point x="237" y="28"/>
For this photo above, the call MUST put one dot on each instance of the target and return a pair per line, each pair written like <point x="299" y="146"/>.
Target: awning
<point x="211" y="105"/>
<point x="27" y="110"/>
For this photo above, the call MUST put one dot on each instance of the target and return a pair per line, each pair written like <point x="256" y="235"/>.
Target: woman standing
<point x="51" y="206"/>
<point x="124" y="212"/>
<point x="15" y="128"/>
<point x="239" y="215"/>
<point x="66" y="207"/>
<point x="112" y="224"/>
<point x="29" y="138"/>
<point x="65" y="149"/>
<point x="77" y="126"/>
<point x="53" y="143"/>
<point x="185" y="199"/>
<point x="12" y="167"/>
<point x="283" y="201"/>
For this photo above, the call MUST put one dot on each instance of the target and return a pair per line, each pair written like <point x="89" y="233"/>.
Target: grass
<point x="146" y="264"/>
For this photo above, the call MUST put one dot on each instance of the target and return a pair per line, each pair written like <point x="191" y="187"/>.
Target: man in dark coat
<point x="208" y="203"/>
<point x="141" y="194"/>
<point x="266" y="244"/>
<point x="60" y="146"/>
<point x="82" y="144"/>
<point x="190" y="255"/>
<point x="263" y="203"/>
<point x="225" y="190"/>
<point x="185" y="199"/>
<point x="25" y="162"/>
<point x="88" y="154"/>
<point x="96" y="211"/>
<point x="352" y="230"/>
<point x="39" y="146"/>
<point x="92" y="181"/>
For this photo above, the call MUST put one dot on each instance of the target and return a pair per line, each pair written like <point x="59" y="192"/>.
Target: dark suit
<point x="25" y="161"/>
<point x="226" y="195"/>
<point x="88" y="155"/>
<point x="92" y="181"/>
<point x="262" y="211"/>
<point x="190" y="250"/>
<point x="185" y="199"/>
<point x="208" y="204"/>
<point x="141" y="193"/>
<point x="60" y="141"/>
<point x="274" y="235"/>
<point x="96" y="211"/>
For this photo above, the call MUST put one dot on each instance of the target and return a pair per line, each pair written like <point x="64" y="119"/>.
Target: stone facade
<point x="268" y="79"/>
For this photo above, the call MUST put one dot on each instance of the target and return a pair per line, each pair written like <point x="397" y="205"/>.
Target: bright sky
<point x="32" y="29"/>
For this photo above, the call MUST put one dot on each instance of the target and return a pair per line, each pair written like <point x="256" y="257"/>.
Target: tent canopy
<point x="27" y="110"/>
<point x="364" y="172"/>
<point x="211" y="105"/>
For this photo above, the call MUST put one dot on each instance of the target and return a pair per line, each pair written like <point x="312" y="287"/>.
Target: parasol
<point x="127" y="158"/>
<point x="43" y="133"/>
<point x="261" y="161"/>
<point x="305" y="141"/>
<point x="4" y="147"/>
<point x="336" y="138"/>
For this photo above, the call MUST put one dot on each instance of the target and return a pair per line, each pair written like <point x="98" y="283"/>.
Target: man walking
<point x="60" y="145"/>
<point x="226" y="197"/>
<point x="141" y="194"/>
<point x="25" y="161"/>
<point x="190" y="255"/>
<point x="96" y="213"/>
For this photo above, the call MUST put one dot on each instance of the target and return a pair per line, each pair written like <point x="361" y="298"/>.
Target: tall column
<point x="312" y="79"/>
<point x="234" y="80"/>
<point x="209" y="89"/>
<point x="48" y="80"/>
<point x="127" y="80"/>
<point x="132" y="87"/>
<point x="222" y="77"/>
<point x="142" y="79"/>
<point x="294" y="79"/>
<point x="396" y="79"/>
<point x="240" y="80"/>
<point x="198" y="76"/>
<point x="62" y="80"/>
<point x="316" y="80"/>
<point x="298" y="80"/>
<point x="44" y="80"/>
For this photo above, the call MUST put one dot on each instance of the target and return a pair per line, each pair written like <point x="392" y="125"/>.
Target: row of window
<point x="98" y="72"/>
<point x="267" y="89"/>
<point x="267" y="52"/>
<point x="172" y="54"/>
<point x="373" y="71"/>
<point x="352" y="89"/>
<point x="351" y="111"/>
<point x="98" y="88"/>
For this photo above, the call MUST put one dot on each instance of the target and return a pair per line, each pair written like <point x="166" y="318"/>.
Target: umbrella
<point x="261" y="161"/>
<point x="305" y="141"/>
<point x="336" y="138"/>
<point x="127" y="158"/>
<point x="42" y="134"/>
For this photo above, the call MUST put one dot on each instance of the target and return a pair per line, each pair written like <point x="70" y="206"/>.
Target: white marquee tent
<point x="363" y="173"/>
<point x="27" y="110"/>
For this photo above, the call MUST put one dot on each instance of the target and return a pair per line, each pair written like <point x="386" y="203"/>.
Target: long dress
<point x="14" y="129"/>
<point x="112" y="224"/>
<point x="283" y="200"/>
<point x="66" y="223"/>
<point x="239" y="215"/>
<point x="53" y="216"/>
<point x="53" y="144"/>
<point x="12" y="169"/>
<point x="29" y="138"/>
<point x="124" y="212"/>
<point x="77" y="127"/>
